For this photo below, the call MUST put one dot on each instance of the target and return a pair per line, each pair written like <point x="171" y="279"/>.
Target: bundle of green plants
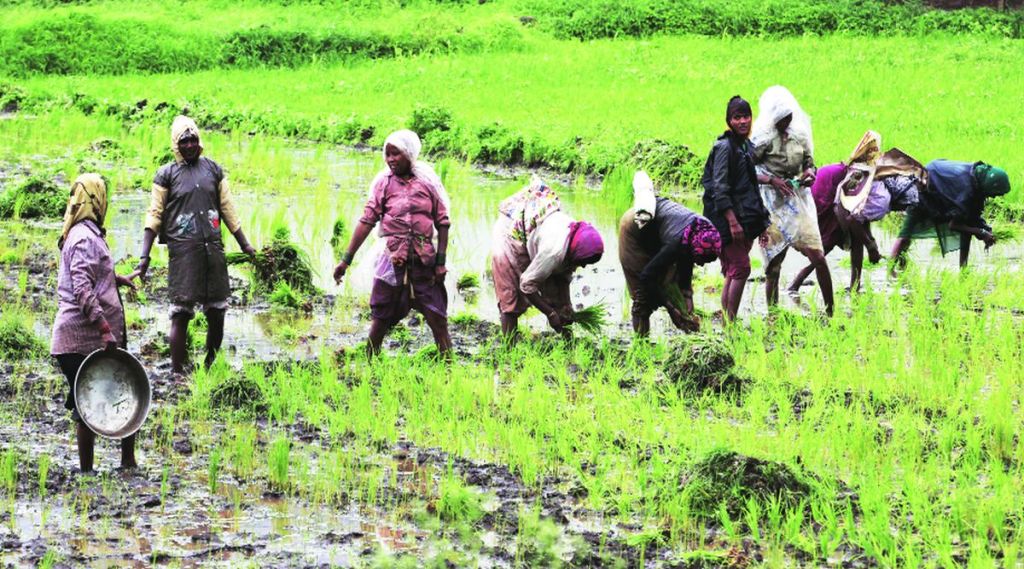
<point x="238" y="393"/>
<point x="17" y="341"/>
<point x="36" y="197"/>
<point x="467" y="281"/>
<point x="725" y="480"/>
<point x="592" y="318"/>
<point x="701" y="362"/>
<point x="281" y="261"/>
<point x="284" y="296"/>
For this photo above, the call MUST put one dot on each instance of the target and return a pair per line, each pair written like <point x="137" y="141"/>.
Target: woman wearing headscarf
<point x="537" y="247"/>
<point x="657" y="250"/>
<point x="950" y="208"/>
<point x="784" y="153"/>
<point x="732" y="202"/>
<point x="190" y="198"/>
<point x="409" y="202"/>
<point x="90" y="315"/>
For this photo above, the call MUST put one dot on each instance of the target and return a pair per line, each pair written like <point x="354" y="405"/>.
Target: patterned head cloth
<point x="702" y="239"/>
<point x="88" y="200"/>
<point x="182" y="127"/>
<point x="585" y="243"/>
<point x="868" y="149"/>
<point x="992" y="181"/>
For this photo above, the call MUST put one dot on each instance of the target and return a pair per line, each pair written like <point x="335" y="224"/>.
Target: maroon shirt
<point x="408" y="212"/>
<point x="86" y="292"/>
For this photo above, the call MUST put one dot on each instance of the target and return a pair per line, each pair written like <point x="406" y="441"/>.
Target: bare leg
<point x="510" y="326"/>
<point x="439" y="327"/>
<point x="641" y="325"/>
<point x="899" y="257"/>
<point x="725" y="297"/>
<point x="856" y="263"/>
<point x="128" y="452"/>
<point x="86" y="445"/>
<point x="735" y="295"/>
<point x="378" y="329"/>
<point x="824" y="276"/>
<point x="214" y="334"/>
<point x="771" y="278"/>
<point x="179" y="342"/>
<point x="965" y="249"/>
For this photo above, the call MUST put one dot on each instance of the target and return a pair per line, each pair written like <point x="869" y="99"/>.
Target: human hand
<point x="106" y="336"/>
<point x="439" y="272"/>
<point x="781" y="186"/>
<point x="249" y="250"/>
<point x="122" y="280"/>
<point x="683" y="322"/>
<point x="874" y="257"/>
<point x="987" y="238"/>
<point x="737" y="232"/>
<point x="808" y="177"/>
<point x="140" y="270"/>
<point x="339" y="271"/>
<point x="556" y="321"/>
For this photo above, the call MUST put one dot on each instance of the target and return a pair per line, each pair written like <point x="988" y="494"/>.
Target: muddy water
<point x="310" y="207"/>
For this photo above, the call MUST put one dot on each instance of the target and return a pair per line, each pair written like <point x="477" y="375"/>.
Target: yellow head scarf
<point x="867" y="150"/>
<point x="181" y="126"/>
<point x="88" y="201"/>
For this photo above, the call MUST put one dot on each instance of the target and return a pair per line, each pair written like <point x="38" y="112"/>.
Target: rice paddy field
<point x="886" y="436"/>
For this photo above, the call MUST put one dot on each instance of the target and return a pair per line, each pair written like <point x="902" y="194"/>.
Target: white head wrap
<point x="408" y="143"/>
<point x="645" y="201"/>
<point x="181" y="126"/>
<point x="775" y="104"/>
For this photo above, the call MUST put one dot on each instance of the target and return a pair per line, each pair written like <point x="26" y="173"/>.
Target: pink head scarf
<point x="702" y="238"/>
<point x="585" y="243"/>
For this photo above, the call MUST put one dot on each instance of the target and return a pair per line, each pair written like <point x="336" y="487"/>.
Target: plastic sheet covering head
<point x="775" y="104"/>
<point x="645" y="203"/>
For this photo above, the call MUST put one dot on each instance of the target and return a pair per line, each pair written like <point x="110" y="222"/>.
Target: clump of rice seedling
<point x="213" y="469"/>
<point x="338" y="234"/>
<point x="17" y="340"/>
<point x="239" y="393"/>
<point x="467" y="281"/>
<point x="667" y="163"/>
<point x="35" y="198"/>
<point x="284" y="296"/>
<point x="277" y="457"/>
<point x="281" y="261"/>
<point x="728" y="480"/>
<point x="43" y="473"/>
<point x="9" y="470"/>
<point x="592" y="318"/>
<point x="700" y="362"/>
<point x="458" y="502"/>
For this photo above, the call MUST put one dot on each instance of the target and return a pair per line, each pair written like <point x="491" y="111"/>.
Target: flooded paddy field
<point x="885" y="436"/>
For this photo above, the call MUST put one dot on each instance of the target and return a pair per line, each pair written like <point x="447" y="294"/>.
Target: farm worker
<point x="950" y="208"/>
<point x="409" y="202"/>
<point x="784" y="155"/>
<point x="90" y="315"/>
<point x="189" y="201"/>
<point x="537" y="247"/>
<point x="658" y="248"/>
<point x="850" y="195"/>
<point x="732" y="202"/>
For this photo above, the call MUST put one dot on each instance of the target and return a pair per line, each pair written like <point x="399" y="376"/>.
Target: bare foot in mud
<point x="794" y="295"/>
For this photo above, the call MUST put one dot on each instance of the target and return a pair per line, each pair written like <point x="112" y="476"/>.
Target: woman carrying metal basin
<point x="90" y="315"/>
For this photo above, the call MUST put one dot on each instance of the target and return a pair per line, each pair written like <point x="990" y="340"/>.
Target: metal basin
<point x="112" y="393"/>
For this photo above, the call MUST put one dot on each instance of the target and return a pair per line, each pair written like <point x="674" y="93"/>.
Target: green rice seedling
<point x="43" y="473"/>
<point x="467" y="281"/>
<point x="213" y="469"/>
<point x="281" y="261"/>
<point x="49" y="559"/>
<point x="9" y="470"/>
<point x="278" y="461"/>
<point x="17" y="339"/>
<point x="243" y="451"/>
<point x="338" y="234"/>
<point x="285" y="296"/>
<point x="591" y="319"/>
<point x="457" y="502"/>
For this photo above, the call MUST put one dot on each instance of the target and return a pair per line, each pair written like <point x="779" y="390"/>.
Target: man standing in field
<point x="189" y="199"/>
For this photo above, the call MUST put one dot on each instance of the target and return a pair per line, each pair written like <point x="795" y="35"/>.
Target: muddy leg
<point x="735" y="295"/>
<point x="510" y="326"/>
<point x="817" y="259"/>
<point x="128" y="453"/>
<point x="179" y="342"/>
<point x="641" y="325"/>
<point x="771" y="278"/>
<point x="86" y="445"/>
<point x="378" y="329"/>
<point x="214" y="334"/>
<point x="439" y="327"/>
<point x="798" y="280"/>
<point x="965" y="249"/>
<point x="725" y="297"/>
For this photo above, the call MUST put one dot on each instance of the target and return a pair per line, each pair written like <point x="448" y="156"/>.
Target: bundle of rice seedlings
<point x="592" y="318"/>
<point x="281" y="261"/>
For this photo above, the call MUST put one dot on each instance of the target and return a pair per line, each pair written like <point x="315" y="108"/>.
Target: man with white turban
<point x="190" y="198"/>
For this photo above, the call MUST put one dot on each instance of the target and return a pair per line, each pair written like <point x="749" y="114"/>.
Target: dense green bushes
<point x="81" y="43"/>
<point x="590" y="19"/>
